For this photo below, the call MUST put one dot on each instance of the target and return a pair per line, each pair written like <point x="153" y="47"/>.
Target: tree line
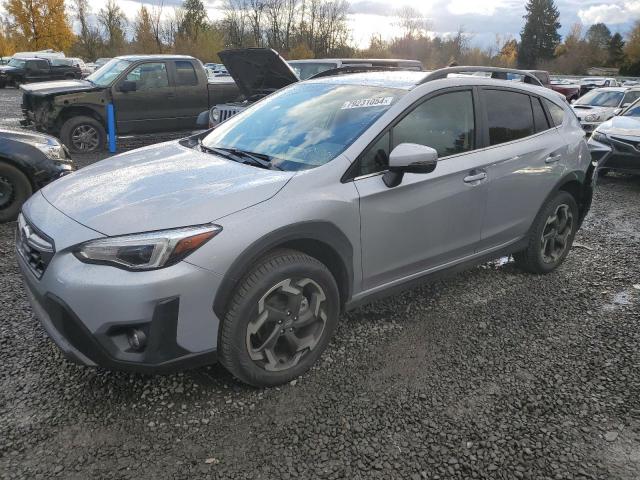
<point x="306" y="29"/>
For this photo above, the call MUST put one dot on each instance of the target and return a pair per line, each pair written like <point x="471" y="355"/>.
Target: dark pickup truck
<point x="150" y="94"/>
<point x="28" y="70"/>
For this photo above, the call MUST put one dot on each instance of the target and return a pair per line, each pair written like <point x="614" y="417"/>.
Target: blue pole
<point x="111" y="127"/>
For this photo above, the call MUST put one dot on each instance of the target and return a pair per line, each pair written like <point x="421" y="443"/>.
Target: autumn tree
<point x="89" y="41"/>
<point x="144" y="39"/>
<point x="508" y="55"/>
<point x="40" y="24"/>
<point x="114" y="22"/>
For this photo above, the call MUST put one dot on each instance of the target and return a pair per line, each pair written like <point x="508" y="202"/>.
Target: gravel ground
<point x="490" y="374"/>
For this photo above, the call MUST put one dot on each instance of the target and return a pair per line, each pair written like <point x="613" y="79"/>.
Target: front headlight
<point x="147" y="251"/>
<point x="54" y="152"/>
<point x="599" y="137"/>
<point x="214" y="116"/>
<point x="592" y="117"/>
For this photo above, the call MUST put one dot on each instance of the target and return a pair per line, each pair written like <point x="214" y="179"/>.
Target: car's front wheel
<point x="15" y="188"/>
<point x="551" y="236"/>
<point x="280" y="319"/>
<point x="83" y="135"/>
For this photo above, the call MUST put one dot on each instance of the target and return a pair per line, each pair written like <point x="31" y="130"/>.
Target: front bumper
<point x="623" y="154"/>
<point x="88" y="310"/>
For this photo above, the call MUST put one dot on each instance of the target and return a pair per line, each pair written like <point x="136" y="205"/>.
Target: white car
<point x="601" y="104"/>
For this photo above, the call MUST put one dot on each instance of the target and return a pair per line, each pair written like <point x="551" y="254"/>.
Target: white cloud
<point x="477" y="7"/>
<point x="615" y="13"/>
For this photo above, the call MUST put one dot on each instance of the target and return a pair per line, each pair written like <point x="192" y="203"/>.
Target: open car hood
<point x="257" y="71"/>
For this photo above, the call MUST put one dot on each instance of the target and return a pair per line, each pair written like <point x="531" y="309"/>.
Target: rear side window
<point x="509" y="116"/>
<point x="539" y="118"/>
<point x="41" y="64"/>
<point x="557" y="113"/>
<point x="186" y="74"/>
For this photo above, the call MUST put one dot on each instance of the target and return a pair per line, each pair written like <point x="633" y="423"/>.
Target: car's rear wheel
<point x="280" y="319"/>
<point x="83" y="135"/>
<point x="15" y="188"/>
<point x="551" y="236"/>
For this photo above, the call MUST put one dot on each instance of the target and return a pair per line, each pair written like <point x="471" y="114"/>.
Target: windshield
<point x="305" y="70"/>
<point x="14" y="62"/>
<point x="105" y="75"/>
<point x="305" y="125"/>
<point x="599" y="98"/>
<point x="592" y="81"/>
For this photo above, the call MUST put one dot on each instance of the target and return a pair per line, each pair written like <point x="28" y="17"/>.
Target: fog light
<point x="137" y="339"/>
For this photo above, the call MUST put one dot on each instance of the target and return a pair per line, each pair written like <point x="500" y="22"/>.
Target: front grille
<point x="34" y="247"/>
<point x="228" y="112"/>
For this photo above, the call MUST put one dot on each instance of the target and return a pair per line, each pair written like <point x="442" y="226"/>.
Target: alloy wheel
<point x="85" y="138"/>
<point x="556" y="234"/>
<point x="7" y="193"/>
<point x="291" y="318"/>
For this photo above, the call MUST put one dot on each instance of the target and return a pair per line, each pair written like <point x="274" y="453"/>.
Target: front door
<point x="151" y="107"/>
<point x="432" y="219"/>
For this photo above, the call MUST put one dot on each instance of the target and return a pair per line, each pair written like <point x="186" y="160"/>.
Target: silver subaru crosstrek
<point x="244" y="243"/>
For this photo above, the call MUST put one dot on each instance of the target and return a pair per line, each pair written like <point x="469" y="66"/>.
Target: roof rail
<point x="496" y="72"/>
<point x="357" y="69"/>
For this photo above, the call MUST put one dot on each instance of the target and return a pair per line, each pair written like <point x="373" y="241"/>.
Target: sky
<point x="483" y="19"/>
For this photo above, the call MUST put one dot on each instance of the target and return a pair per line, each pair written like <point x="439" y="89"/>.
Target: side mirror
<point x="202" y="122"/>
<point x="128" y="86"/>
<point x="409" y="158"/>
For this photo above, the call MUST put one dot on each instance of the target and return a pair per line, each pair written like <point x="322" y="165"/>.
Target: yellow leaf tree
<point x="40" y="24"/>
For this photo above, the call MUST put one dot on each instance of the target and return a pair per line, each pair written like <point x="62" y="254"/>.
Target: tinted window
<point x="186" y="74"/>
<point x="630" y="97"/>
<point x="376" y="158"/>
<point x="149" y="76"/>
<point x="41" y="64"/>
<point x="509" y="116"/>
<point x="557" y="113"/>
<point x="444" y="123"/>
<point x="539" y="118"/>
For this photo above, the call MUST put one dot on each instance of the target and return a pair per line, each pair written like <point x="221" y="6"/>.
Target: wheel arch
<point x="76" y="111"/>
<point x="579" y="185"/>
<point x="23" y="167"/>
<point x="321" y="240"/>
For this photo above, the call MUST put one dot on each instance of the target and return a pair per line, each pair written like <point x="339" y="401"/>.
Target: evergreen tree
<point x="143" y="39"/>
<point x="616" y="51"/>
<point x="194" y="20"/>
<point x="598" y="36"/>
<point x="539" y="37"/>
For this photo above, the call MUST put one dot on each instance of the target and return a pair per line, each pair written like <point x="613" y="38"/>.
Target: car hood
<point x="7" y="68"/>
<point x="257" y="71"/>
<point x="627" y="126"/>
<point x="159" y="187"/>
<point x="58" y="87"/>
<point x="584" y="110"/>
<point x="27" y="136"/>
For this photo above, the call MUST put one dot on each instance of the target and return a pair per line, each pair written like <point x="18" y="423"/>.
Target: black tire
<point x="538" y="257"/>
<point x="15" y="188"/>
<point x="71" y="128"/>
<point x="260" y="286"/>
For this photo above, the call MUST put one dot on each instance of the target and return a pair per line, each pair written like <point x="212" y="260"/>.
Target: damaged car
<point x="150" y="94"/>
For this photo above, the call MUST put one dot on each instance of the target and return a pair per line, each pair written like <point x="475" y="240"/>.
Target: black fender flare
<point x="292" y="236"/>
<point x="584" y="192"/>
<point x="22" y="156"/>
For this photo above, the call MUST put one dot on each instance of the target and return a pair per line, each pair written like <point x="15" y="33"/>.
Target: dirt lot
<point x="491" y="374"/>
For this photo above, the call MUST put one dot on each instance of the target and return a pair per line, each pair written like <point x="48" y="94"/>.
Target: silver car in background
<point x="601" y="104"/>
<point x="244" y="243"/>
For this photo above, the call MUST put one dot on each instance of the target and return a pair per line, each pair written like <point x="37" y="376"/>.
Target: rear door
<point x="527" y="153"/>
<point x="191" y="95"/>
<point x="152" y="106"/>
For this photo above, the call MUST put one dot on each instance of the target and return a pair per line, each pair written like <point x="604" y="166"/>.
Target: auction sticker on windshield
<point x="367" y="102"/>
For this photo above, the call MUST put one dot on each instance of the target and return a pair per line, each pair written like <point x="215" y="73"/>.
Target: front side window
<point x="305" y="125"/>
<point x="509" y="116"/>
<point x="16" y="62"/>
<point x="105" y="76"/>
<point x="149" y="76"/>
<point x="630" y="97"/>
<point x="445" y="123"/>
<point x="185" y="74"/>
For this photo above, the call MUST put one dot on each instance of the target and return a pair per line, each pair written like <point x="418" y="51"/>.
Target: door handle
<point x="553" y="158"/>
<point x="476" y="177"/>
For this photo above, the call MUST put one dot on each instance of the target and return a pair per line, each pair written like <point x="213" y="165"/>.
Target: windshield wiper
<point x="242" y="156"/>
